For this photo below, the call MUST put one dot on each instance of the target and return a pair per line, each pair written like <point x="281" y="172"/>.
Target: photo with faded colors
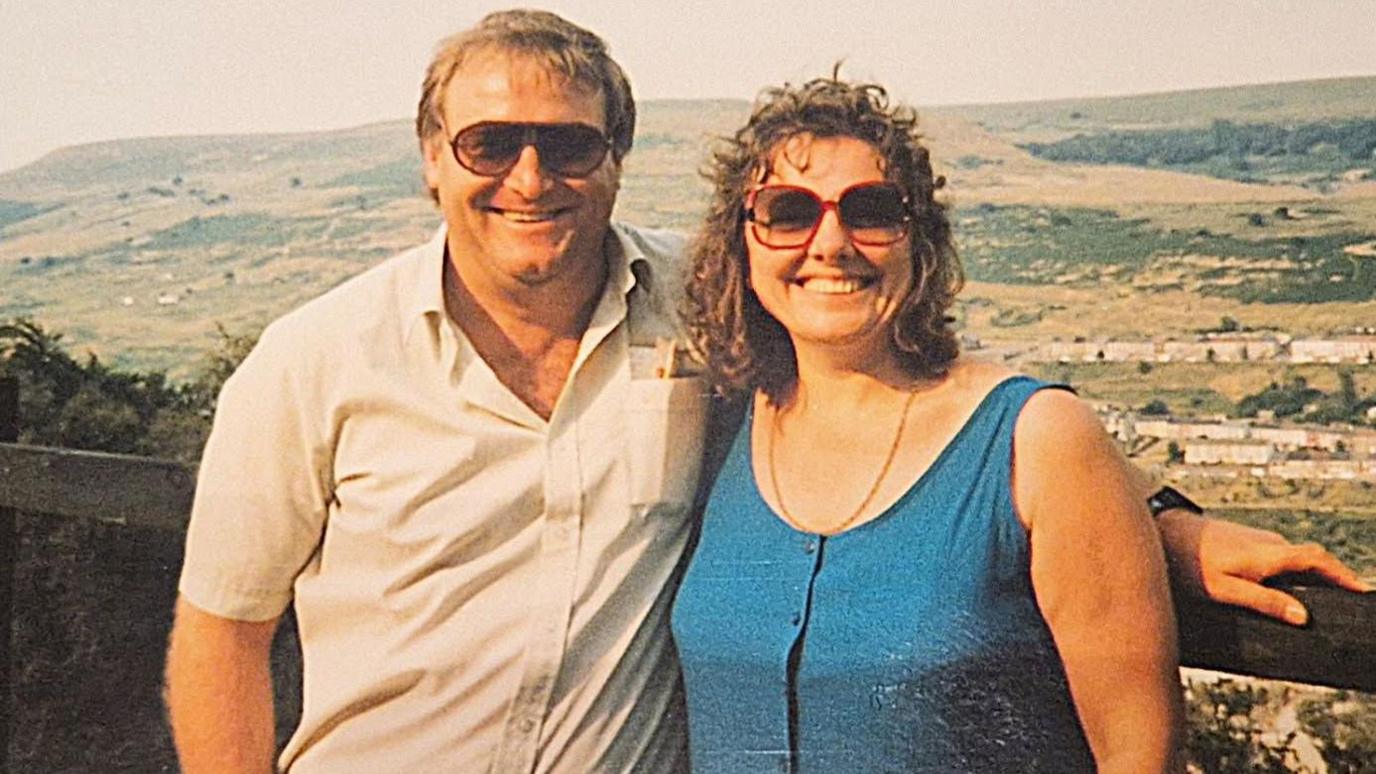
<point x="463" y="503"/>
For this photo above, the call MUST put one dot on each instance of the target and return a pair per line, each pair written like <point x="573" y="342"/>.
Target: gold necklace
<point x="869" y="496"/>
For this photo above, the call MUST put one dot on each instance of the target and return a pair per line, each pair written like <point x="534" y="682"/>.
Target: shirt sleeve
<point x="263" y="488"/>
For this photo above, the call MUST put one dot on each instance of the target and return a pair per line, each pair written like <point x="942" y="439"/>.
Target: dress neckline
<point x="918" y="483"/>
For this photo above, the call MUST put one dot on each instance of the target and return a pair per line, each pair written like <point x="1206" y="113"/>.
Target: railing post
<point x="9" y="555"/>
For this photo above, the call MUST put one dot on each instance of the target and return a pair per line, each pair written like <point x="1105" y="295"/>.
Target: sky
<point x="78" y="71"/>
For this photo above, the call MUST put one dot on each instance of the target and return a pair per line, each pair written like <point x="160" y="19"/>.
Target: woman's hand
<point x="1227" y="562"/>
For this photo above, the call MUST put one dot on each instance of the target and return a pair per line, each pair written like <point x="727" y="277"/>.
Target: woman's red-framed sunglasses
<point x="783" y="216"/>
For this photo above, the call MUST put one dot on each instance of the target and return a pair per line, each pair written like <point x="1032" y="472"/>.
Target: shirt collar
<point x="422" y="291"/>
<point x="628" y="269"/>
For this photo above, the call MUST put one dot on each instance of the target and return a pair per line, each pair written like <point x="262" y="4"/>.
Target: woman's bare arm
<point x="1100" y="579"/>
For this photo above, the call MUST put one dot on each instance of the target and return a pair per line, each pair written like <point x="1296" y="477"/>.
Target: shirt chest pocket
<point x="665" y="424"/>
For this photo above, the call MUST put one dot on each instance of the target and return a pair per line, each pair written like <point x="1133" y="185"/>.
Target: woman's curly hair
<point x="744" y="347"/>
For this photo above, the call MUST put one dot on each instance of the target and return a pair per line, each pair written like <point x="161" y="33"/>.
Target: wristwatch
<point x="1168" y="498"/>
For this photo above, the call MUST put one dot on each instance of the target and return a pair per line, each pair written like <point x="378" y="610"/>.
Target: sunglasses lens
<point x="784" y="217"/>
<point x="874" y="214"/>
<point x="570" y="150"/>
<point x="493" y="148"/>
<point x="489" y="149"/>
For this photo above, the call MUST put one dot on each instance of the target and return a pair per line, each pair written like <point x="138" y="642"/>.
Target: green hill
<point x="1298" y="101"/>
<point x="137" y="248"/>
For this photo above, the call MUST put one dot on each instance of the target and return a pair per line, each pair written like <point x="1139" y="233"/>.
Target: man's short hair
<point x="551" y="41"/>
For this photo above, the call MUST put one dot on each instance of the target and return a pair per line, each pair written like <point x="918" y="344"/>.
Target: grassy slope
<point x="1300" y="101"/>
<point x="84" y="227"/>
<point x="243" y="228"/>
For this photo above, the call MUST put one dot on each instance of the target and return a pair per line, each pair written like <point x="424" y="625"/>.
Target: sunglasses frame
<point x="832" y="204"/>
<point x="530" y="137"/>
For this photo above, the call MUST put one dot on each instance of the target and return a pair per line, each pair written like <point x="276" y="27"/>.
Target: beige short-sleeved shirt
<point x="477" y="589"/>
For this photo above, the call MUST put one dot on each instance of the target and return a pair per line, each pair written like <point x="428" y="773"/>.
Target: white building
<point x="1283" y="437"/>
<point x="1071" y="352"/>
<point x="1184" y="352"/>
<point x="1322" y="469"/>
<point x="1179" y="431"/>
<point x="1349" y="349"/>
<point x="1128" y="351"/>
<point x="1244" y="452"/>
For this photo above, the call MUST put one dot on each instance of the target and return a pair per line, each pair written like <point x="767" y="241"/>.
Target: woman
<point x="910" y="561"/>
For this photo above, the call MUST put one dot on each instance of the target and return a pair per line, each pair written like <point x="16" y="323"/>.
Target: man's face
<point x="527" y="227"/>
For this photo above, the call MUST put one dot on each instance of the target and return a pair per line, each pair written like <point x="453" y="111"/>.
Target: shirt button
<point x="809" y="547"/>
<point x="797" y="619"/>
<point x="527" y="724"/>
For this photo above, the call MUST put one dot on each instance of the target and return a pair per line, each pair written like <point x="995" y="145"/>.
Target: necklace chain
<point x="869" y="496"/>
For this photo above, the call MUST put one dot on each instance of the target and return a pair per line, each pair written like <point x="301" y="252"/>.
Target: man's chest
<point x="445" y="459"/>
<point x="535" y="378"/>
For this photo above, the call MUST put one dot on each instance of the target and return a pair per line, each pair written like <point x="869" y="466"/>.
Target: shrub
<point x="1222" y="735"/>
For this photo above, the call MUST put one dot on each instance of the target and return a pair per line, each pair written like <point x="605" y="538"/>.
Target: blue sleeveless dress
<point x="909" y="643"/>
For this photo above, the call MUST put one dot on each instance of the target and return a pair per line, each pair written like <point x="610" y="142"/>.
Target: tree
<point x="88" y="405"/>
<point x="215" y="367"/>
<point x="1347" y="390"/>
<point x="1343" y="727"/>
<point x="48" y="376"/>
<point x="91" y="419"/>
<point x="1156" y="408"/>
<point x="1283" y="401"/>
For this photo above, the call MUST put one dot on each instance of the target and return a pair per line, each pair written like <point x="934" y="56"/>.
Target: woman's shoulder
<point x="1053" y="419"/>
<point x="975" y="378"/>
<point x="971" y="381"/>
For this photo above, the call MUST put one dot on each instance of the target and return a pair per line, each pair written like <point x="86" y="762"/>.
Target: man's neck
<point x="528" y="337"/>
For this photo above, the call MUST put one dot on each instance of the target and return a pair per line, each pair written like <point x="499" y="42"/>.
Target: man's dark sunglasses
<point x="492" y="148"/>
<point x="784" y="216"/>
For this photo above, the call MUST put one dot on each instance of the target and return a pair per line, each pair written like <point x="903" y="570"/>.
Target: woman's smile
<point x="831" y="290"/>
<point x="834" y="286"/>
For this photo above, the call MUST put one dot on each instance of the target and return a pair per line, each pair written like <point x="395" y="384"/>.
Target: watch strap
<point x="1169" y="498"/>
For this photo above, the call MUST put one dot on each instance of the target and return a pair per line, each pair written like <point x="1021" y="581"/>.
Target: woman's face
<point x="831" y="290"/>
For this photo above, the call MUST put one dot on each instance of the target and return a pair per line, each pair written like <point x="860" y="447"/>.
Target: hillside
<point x="137" y="248"/>
<point x="1298" y="101"/>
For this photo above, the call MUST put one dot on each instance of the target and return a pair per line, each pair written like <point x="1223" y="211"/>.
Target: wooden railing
<point x="147" y="495"/>
<point x="1335" y="649"/>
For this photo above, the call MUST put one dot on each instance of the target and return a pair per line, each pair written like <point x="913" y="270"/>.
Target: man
<point x="473" y="467"/>
<point x="458" y="464"/>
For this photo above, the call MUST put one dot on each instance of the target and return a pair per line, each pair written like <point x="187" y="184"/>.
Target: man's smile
<point x="528" y="215"/>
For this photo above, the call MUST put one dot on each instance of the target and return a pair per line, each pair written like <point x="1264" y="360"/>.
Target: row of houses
<point x="1348" y="349"/>
<point x="1323" y="470"/>
<point x="1360" y="442"/>
<point x="1288" y="451"/>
